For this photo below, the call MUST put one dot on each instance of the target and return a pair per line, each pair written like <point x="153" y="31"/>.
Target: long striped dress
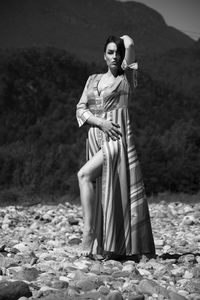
<point x="122" y="216"/>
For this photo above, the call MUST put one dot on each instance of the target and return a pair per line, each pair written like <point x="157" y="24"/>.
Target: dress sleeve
<point x="82" y="110"/>
<point x="131" y="72"/>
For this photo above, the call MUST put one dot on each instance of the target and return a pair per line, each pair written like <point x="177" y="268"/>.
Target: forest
<point x="42" y="148"/>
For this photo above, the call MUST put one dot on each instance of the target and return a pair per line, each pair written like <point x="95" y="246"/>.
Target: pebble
<point x="188" y="275"/>
<point x="128" y="268"/>
<point x="115" y="296"/>
<point x="104" y="290"/>
<point x="178" y="271"/>
<point x="144" y="272"/>
<point x="39" y="250"/>
<point x="159" y="243"/>
<point x="86" y="284"/>
<point x="188" y="220"/>
<point x="196" y="272"/>
<point x="22" y="247"/>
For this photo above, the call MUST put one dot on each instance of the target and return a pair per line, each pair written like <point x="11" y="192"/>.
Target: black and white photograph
<point x="99" y="149"/>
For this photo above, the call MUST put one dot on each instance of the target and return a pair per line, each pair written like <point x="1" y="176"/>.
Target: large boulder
<point x="14" y="290"/>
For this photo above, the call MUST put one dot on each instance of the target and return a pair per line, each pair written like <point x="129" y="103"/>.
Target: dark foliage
<point x="42" y="148"/>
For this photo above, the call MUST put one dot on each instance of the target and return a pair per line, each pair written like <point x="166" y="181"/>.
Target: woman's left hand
<point x="128" y="41"/>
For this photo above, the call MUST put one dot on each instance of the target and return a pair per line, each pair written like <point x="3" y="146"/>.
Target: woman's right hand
<point x="110" y="129"/>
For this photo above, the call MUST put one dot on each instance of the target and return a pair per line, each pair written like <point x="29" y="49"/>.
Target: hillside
<point x="178" y="68"/>
<point x="41" y="146"/>
<point x="81" y="26"/>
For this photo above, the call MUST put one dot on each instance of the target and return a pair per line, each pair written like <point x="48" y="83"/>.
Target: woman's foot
<point x="86" y="246"/>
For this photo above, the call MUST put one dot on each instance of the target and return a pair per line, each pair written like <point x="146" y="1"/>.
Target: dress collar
<point x="111" y="87"/>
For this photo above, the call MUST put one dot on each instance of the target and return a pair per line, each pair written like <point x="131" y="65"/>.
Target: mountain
<point x="179" y="68"/>
<point x="41" y="148"/>
<point x="81" y="26"/>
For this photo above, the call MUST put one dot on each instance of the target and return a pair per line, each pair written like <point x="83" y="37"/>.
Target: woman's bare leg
<point x="87" y="174"/>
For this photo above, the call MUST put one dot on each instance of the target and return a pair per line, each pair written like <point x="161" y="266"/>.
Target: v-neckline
<point x="115" y="82"/>
<point x="97" y="84"/>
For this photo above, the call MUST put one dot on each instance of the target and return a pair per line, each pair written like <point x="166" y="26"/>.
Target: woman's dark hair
<point x="119" y="43"/>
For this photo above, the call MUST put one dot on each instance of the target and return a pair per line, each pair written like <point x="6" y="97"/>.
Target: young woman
<point x="115" y="209"/>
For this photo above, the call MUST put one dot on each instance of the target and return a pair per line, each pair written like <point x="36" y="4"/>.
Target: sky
<point x="181" y="14"/>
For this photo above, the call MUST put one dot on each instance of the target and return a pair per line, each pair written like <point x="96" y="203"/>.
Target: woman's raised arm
<point x="130" y="49"/>
<point x="129" y="64"/>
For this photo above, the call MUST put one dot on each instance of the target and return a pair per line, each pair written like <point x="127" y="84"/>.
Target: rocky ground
<point x="37" y="258"/>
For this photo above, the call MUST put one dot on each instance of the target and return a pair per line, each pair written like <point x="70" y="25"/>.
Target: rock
<point x="46" y="217"/>
<point x="188" y="220"/>
<point x="188" y="209"/>
<point x="196" y="272"/>
<point x="197" y="238"/>
<point x="136" y="297"/>
<point x="14" y="290"/>
<point x="117" y="284"/>
<point x="150" y="287"/>
<point x="195" y="296"/>
<point x="94" y="295"/>
<point x="166" y="248"/>
<point x="188" y="275"/>
<point x="113" y="264"/>
<point x="23" y="273"/>
<point x="96" y="268"/>
<point x="22" y="247"/>
<point x="183" y="243"/>
<point x="178" y="271"/>
<point x="64" y="278"/>
<point x="114" y="296"/>
<point x="82" y="265"/>
<point x="86" y="284"/>
<point x="118" y="274"/>
<point x="72" y="292"/>
<point x="25" y="258"/>
<point x="2" y="261"/>
<point x="188" y="258"/>
<point x="6" y="222"/>
<point x="73" y="221"/>
<point x="13" y="271"/>
<point x="130" y="285"/>
<point x="175" y="296"/>
<point x="54" y="295"/>
<point x="45" y="256"/>
<point x="79" y="275"/>
<point x="58" y="284"/>
<point x="57" y="270"/>
<point x="30" y="274"/>
<point x="183" y="293"/>
<point x="147" y="287"/>
<point x="144" y="272"/>
<point x="159" y="243"/>
<point x="104" y="290"/>
<point x="2" y="247"/>
<point x="74" y="241"/>
<point x="192" y="286"/>
<point x="129" y="268"/>
<point x="107" y="270"/>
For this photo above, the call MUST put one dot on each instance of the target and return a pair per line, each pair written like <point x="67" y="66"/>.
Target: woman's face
<point x="112" y="56"/>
